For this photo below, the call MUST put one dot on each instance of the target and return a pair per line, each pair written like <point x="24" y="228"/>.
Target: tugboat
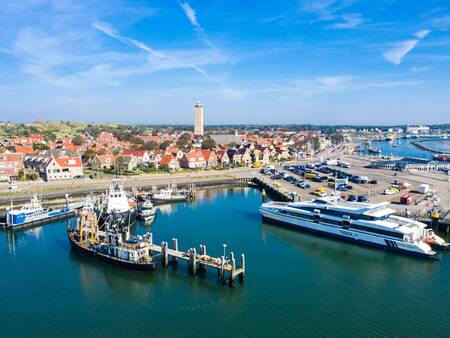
<point x="147" y="210"/>
<point x="117" y="204"/>
<point x="170" y="194"/>
<point x="113" y="245"/>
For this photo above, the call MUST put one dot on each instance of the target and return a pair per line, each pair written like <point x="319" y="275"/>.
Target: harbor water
<point x="404" y="148"/>
<point x="296" y="284"/>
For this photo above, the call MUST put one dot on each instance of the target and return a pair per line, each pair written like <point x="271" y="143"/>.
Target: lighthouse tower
<point x="198" y="126"/>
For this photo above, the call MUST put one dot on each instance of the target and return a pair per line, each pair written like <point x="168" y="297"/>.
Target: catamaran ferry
<point x="370" y="224"/>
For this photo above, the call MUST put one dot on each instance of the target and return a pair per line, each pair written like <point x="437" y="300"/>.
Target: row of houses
<point x="195" y="158"/>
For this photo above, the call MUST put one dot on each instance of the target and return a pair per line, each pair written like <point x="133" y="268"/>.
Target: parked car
<point x="351" y="198"/>
<point x="373" y="182"/>
<point x="362" y="198"/>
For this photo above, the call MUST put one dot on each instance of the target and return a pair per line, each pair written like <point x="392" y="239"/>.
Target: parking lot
<point x="362" y="184"/>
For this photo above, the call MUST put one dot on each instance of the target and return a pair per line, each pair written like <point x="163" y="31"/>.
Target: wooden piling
<point x="175" y="247"/>
<point x="233" y="269"/>
<point x="241" y="275"/>
<point x="164" y="254"/>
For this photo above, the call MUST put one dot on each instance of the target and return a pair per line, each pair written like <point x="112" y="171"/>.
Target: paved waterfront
<point x="297" y="284"/>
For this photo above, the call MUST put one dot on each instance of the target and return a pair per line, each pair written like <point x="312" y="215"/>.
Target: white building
<point x="417" y="129"/>
<point x="198" y="126"/>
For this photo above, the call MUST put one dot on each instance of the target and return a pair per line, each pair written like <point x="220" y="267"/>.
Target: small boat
<point x="147" y="211"/>
<point x="114" y="245"/>
<point x="170" y="194"/>
<point x="34" y="212"/>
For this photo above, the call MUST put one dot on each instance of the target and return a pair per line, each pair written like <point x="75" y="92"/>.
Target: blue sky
<point x="318" y="61"/>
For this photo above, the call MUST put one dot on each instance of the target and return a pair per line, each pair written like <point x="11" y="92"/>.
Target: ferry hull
<point x="384" y="246"/>
<point x="76" y="248"/>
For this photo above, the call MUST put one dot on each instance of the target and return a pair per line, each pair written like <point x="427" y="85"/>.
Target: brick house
<point x="170" y="162"/>
<point x="63" y="168"/>
<point x="222" y="157"/>
<point x="193" y="160"/>
<point x="10" y="165"/>
<point x="103" y="162"/>
<point x="142" y="156"/>
<point x="211" y="158"/>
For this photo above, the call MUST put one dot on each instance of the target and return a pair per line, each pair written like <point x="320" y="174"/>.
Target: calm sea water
<point x="296" y="284"/>
<point x="404" y="148"/>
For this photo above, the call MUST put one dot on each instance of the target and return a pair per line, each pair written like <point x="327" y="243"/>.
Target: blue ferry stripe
<point x="330" y="225"/>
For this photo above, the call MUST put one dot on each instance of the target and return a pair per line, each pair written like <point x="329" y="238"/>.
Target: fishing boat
<point x="113" y="245"/>
<point x="33" y="212"/>
<point x="117" y="204"/>
<point x="170" y="194"/>
<point x="369" y="224"/>
<point x="147" y="210"/>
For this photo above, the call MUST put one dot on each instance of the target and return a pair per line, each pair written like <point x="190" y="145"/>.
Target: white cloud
<point x="109" y="30"/>
<point x="416" y="69"/>
<point x="442" y="23"/>
<point x="422" y="34"/>
<point x="350" y="20"/>
<point x="396" y="54"/>
<point x="192" y="17"/>
<point x="232" y="94"/>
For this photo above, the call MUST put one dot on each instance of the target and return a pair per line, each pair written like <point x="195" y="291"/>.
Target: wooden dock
<point x="227" y="271"/>
<point x="273" y="189"/>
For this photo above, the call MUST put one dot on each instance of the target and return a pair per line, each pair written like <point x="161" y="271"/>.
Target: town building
<point x="103" y="162"/>
<point x="10" y="165"/>
<point x="63" y="168"/>
<point x="170" y="162"/>
<point x="417" y="130"/>
<point x="193" y="160"/>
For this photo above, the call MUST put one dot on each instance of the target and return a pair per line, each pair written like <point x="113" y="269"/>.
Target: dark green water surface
<point x="296" y="284"/>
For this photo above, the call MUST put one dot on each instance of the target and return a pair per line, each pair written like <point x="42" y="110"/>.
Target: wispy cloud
<point x="442" y="23"/>
<point x="350" y="20"/>
<point x="192" y="17"/>
<point x="396" y="54"/>
<point x="420" y="69"/>
<point x="325" y="10"/>
<point x="109" y="30"/>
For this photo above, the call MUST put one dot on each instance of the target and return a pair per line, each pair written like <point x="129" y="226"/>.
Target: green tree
<point x="165" y="144"/>
<point x="22" y="176"/>
<point x="89" y="155"/>
<point x="150" y="145"/>
<point x="78" y="140"/>
<point x="136" y="140"/>
<point x="40" y="146"/>
<point x="209" y="143"/>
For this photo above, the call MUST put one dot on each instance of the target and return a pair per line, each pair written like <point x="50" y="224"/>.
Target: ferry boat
<point x="114" y="245"/>
<point x="34" y="212"/>
<point x="369" y="224"/>
<point x="117" y="205"/>
<point x="170" y="194"/>
<point x="147" y="210"/>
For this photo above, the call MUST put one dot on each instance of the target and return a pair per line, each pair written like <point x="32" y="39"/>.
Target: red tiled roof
<point x="66" y="161"/>
<point x="137" y="153"/>
<point x="166" y="159"/>
<point x="24" y="149"/>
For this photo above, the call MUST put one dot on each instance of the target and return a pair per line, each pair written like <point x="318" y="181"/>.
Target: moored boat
<point x="118" y="205"/>
<point x="147" y="211"/>
<point x="170" y="194"/>
<point x="114" y="245"/>
<point x="369" y="224"/>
